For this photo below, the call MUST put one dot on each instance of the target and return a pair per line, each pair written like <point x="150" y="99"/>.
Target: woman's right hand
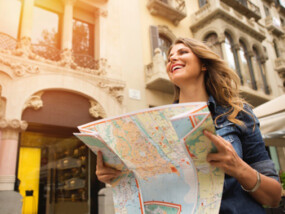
<point x="105" y="174"/>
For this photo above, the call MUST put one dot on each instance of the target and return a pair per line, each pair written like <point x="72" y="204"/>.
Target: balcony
<point x="273" y="25"/>
<point x="173" y="10"/>
<point x="48" y="54"/>
<point x="156" y="76"/>
<point x="280" y="66"/>
<point x="217" y="10"/>
<point x="244" y="7"/>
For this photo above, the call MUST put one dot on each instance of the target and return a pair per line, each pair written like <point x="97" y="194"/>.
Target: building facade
<point x="64" y="63"/>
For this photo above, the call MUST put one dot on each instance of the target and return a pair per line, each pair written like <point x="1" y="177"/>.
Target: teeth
<point x="176" y="67"/>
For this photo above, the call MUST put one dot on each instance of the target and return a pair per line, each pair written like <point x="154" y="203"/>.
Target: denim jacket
<point x="248" y="143"/>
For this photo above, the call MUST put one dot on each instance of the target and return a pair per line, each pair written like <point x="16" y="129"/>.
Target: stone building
<point x="64" y="63"/>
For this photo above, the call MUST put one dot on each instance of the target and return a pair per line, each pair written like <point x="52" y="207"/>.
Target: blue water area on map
<point x="169" y="188"/>
<point x="182" y="126"/>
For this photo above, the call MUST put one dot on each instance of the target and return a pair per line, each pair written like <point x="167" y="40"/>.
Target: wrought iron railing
<point x="85" y="61"/>
<point x="7" y="42"/>
<point x="177" y="4"/>
<point x="250" y="6"/>
<point x="47" y="52"/>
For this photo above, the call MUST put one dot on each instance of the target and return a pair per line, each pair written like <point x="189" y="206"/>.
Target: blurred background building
<point x="64" y="63"/>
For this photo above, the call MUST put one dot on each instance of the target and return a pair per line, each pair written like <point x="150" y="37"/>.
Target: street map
<point x="162" y="153"/>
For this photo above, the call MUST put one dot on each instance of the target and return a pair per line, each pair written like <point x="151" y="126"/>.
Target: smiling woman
<point x="201" y="75"/>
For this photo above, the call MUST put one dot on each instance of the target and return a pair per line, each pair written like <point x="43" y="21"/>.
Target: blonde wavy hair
<point x="221" y="81"/>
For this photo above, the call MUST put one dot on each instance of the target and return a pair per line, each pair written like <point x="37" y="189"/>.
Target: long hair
<point x="221" y="82"/>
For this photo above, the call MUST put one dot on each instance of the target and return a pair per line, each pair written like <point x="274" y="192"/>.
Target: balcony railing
<point x="85" y="61"/>
<point x="156" y="76"/>
<point x="274" y="25"/>
<point x="7" y="42"/>
<point x="173" y="10"/>
<point x="51" y="53"/>
<point x="244" y="7"/>
<point x="46" y="51"/>
<point x="216" y="9"/>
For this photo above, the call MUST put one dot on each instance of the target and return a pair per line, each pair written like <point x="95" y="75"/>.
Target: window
<point x="212" y="41"/>
<point x="276" y="49"/>
<point x="260" y="71"/>
<point x="45" y="28"/>
<point x="9" y="23"/>
<point x="248" y="75"/>
<point x="266" y="10"/>
<point x="231" y="54"/>
<point x="202" y="3"/>
<point x="160" y="39"/>
<point x="82" y="41"/>
<point x="164" y="45"/>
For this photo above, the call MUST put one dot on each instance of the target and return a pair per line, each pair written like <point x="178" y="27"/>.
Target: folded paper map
<point x="162" y="155"/>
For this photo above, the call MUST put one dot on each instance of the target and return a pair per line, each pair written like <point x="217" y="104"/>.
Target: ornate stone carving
<point x="35" y="101"/>
<point x="116" y="91"/>
<point x="66" y="59"/>
<point x="19" y="125"/>
<point x="96" y="110"/>
<point x="20" y="69"/>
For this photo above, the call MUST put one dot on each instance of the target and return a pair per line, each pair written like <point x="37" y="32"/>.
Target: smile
<point x="176" y="67"/>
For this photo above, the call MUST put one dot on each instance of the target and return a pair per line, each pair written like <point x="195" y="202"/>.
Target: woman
<point x="200" y="75"/>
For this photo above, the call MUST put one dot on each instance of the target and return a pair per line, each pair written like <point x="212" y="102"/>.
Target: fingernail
<point x="205" y="131"/>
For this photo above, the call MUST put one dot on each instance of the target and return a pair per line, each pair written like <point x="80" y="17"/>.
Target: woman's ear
<point x="204" y="68"/>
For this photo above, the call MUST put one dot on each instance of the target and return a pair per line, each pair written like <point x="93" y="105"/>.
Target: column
<point x="10" y="130"/>
<point x="67" y="30"/>
<point x="27" y="19"/>
<point x="252" y="71"/>
<point x="239" y="63"/>
<point x="221" y="40"/>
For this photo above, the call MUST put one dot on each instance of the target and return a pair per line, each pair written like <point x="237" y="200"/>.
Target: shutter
<point x="154" y="38"/>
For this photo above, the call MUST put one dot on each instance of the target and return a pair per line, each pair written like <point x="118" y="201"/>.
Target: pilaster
<point x="67" y="29"/>
<point x="10" y="130"/>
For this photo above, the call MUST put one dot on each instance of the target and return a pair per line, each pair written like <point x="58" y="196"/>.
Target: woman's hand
<point x="105" y="174"/>
<point x="226" y="158"/>
<point x="269" y="191"/>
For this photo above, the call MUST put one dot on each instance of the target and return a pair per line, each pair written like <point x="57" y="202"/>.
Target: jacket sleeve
<point x="253" y="146"/>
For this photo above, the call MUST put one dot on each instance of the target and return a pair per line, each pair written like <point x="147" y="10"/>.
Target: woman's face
<point x="184" y="67"/>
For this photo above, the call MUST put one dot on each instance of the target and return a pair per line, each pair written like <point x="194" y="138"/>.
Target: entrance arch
<point x="62" y="178"/>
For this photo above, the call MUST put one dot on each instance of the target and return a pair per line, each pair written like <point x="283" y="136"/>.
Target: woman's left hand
<point x="226" y="158"/>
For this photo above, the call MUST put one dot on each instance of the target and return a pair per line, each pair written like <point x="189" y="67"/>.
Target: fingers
<point x="100" y="163"/>
<point x="218" y="141"/>
<point x="104" y="173"/>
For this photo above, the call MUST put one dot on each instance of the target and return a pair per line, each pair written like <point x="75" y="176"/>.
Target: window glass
<point x="164" y="44"/>
<point x="9" y="21"/>
<point x="202" y="3"/>
<point x="276" y="49"/>
<point x="259" y="71"/>
<point x="229" y="52"/>
<point x="266" y="10"/>
<point x="45" y="27"/>
<point x="82" y="41"/>
<point x="245" y="64"/>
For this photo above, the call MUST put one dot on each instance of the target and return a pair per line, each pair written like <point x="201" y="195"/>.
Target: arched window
<point x="232" y="55"/>
<point x="212" y="41"/>
<point x="248" y="75"/>
<point x="164" y="45"/>
<point x="259" y="69"/>
<point x="276" y="48"/>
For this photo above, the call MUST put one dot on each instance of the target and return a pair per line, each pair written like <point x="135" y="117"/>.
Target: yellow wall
<point x="29" y="175"/>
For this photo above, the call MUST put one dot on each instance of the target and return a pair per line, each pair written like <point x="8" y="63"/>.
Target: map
<point x="162" y="153"/>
